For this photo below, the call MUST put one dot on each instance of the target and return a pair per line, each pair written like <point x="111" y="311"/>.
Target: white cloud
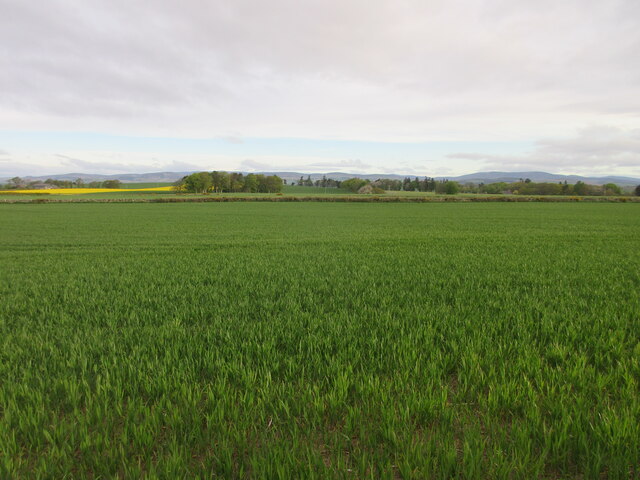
<point x="253" y="165"/>
<point x="355" y="164"/>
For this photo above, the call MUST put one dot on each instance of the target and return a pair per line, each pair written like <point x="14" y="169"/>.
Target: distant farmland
<point x="147" y="185"/>
<point x="315" y="340"/>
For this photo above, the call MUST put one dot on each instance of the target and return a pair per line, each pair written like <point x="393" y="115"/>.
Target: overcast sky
<point x="406" y="86"/>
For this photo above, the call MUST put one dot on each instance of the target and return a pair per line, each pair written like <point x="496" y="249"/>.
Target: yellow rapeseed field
<point x="78" y="191"/>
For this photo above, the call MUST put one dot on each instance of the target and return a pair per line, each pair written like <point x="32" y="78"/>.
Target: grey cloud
<point x="410" y="70"/>
<point x="322" y="67"/>
<point x="594" y="141"/>
<point x="593" y="149"/>
<point x="90" y="61"/>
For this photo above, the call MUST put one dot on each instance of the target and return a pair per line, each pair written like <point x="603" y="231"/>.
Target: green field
<point x="320" y="340"/>
<point x="146" y="185"/>
<point x="295" y="189"/>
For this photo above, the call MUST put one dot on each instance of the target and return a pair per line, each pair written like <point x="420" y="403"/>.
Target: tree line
<point x="324" y="182"/>
<point x="527" y="187"/>
<point x="17" y="183"/>
<point x="222" y="182"/>
<point x="428" y="184"/>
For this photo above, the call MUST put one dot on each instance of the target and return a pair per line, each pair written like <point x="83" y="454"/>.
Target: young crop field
<point x="320" y="340"/>
<point x="295" y="189"/>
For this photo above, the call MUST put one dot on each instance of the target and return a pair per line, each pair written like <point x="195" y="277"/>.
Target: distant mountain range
<point x="479" y="177"/>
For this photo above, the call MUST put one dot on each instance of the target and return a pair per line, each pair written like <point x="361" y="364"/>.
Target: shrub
<point x="448" y="187"/>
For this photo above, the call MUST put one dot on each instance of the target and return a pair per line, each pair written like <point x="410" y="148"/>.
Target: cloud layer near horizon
<point x="546" y="72"/>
